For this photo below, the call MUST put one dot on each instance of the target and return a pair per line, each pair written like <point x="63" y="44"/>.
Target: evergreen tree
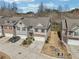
<point x="14" y="6"/>
<point x="3" y="6"/>
<point x="59" y="8"/>
<point x="41" y="8"/>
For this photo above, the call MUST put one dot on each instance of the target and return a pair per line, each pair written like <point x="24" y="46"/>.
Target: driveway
<point x="37" y="44"/>
<point x="74" y="51"/>
<point x="18" y="52"/>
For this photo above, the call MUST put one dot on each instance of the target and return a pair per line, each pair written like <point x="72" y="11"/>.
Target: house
<point x="23" y="27"/>
<point x="8" y="23"/>
<point x="72" y="28"/>
<point x="36" y="26"/>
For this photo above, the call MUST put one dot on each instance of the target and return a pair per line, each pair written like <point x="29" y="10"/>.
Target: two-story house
<point x="38" y="27"/>
<point x="7" y="24"/>
<point x="72" y="28"/>
<point x="23" y="27"/>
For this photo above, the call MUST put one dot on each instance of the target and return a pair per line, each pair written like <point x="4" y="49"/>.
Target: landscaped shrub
<point x="24" y="42"/>
<point x="28" y="41"/>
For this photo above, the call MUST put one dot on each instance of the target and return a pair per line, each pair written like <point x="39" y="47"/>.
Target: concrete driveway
<point x="74" y="51"/>
<point x="18" y="52"/>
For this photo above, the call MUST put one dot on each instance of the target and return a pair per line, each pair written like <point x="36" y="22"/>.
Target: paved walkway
<point x="19" y="52"/>
<point x="74" y="51"/>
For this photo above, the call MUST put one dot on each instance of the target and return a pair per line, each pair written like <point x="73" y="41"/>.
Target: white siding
<point x="21" y="32"/>
<point x="76" y="33"/>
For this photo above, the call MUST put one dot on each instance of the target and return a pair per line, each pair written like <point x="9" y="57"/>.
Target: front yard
<point x="54" y="47"/>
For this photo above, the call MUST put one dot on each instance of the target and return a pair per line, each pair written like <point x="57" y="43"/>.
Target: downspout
<point x="3" y="34"/>
<point x="66" y="40"/>
<point x="14" y="31"/>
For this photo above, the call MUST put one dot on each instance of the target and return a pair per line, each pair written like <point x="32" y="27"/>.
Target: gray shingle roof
<point x="71" y="23"/>
<point x="12" y="20"/>
<point x="35" y="22"/>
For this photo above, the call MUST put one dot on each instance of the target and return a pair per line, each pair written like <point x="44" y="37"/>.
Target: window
<point x="76" y="33"/>
<point x="70" y="32"/>
<point x="42" y="30"/>
<point x="8" y="21"/>
<point x="30" y="27"/>
<point x="18" y="28"/>
<point x="10" y="27"/>
<point x="24" y="28"/>
<point x="36" y="30"/>
<point x="5" y="27"/>
<point x="13" y="21"/>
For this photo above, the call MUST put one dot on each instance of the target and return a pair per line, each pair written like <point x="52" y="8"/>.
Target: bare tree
<point x="14" y="6"/>
<point x="59" y="8"/>
<point x="66" y="7"/>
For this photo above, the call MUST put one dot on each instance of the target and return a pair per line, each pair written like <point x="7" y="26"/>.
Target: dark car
<point x="14" y="39"/>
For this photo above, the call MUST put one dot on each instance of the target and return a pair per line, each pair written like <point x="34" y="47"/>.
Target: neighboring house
<point x="8" y="23"/>
<point x="72" y="28"/>
<point x="36" y="26"/>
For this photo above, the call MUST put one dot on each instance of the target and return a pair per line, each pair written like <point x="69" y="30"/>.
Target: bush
<point x="24" y="42"/>
<point x="28" y="41"/>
